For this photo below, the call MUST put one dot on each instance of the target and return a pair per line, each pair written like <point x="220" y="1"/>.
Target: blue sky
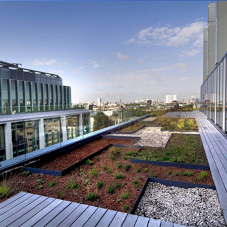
<point x="109" y="50"/>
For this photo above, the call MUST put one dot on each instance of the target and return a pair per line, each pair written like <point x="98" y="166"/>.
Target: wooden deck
<point x="25" y="209"/>
<point x="215" y="145"/>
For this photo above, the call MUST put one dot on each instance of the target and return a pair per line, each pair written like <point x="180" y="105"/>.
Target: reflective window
<point x="72" y="126"/>
<point x="21" y="96"/>
<point x="14" y="94"/>
<point x="5" y="95"/>
<point x="52" y="131"/>
<point x="28" y="96"/>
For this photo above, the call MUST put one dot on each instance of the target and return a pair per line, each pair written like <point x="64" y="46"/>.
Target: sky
<point x="111" y="50"/>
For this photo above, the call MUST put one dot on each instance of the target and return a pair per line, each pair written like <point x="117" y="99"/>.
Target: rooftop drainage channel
<point x="66" y="146"/>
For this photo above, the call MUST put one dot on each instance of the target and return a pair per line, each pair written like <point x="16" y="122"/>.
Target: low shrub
<point x="72" y="184"/>
<point x="169" y="172"/>
<point x="40" y="186"/>
<point x="145" y="169"/>
<point x="40" y="181"/>
<point x="136" y="183"/>
<point x="202" y="175"/>
<point x="110" y="189"/>
<point x="61" y="194"/>
<point x="119" y="165"/>
<point x="125" y="195"/>
<point x="177" y="174"/>
<point x="152" y="175"/>
<point x="119" y="175"/>
<point x="127" y="167"/>
<point x="52" y="183"/>
<point x="118" y="185"/>
<point x="114" y="153"/>
<point x="126" y="208"/>
<point x="89" y="162"/>
<point x="93" y="171"/>
<point x="99" y="184"/>
<point x="138" y="170"/>
<point x="187" y="174"/>
<point x="25" y="173"/>
<point x="92" y="196"/>
<point x="5" y="189"/>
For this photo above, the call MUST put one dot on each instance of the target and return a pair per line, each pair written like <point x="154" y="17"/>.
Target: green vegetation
<point x="169" y="123"/>
<point x="87" y="181"/>
<point x="126" y="208"/>
<point x="110" y="189"/>
<point x="61" y="194"/>
<point x="41" y="186"/>
<point x="138" y="170"/>
<point x="40" y="181"/>
<point x="136" y="183"/>
<point x="72" y="184"/>
<point x="97" y="157"/>
<point x="202" y="175"/>
<point x="107" y="168"/>
<point x="127" y="167"/>
<point x="52" y="183"/>
<point x="125" y="195"/>
<point x="169" y="172"/>
<point x="114" y="153"/>
<point x="5" y="189"/>
<point x="93" y="171"/>
<point x="177" y="174"/>
<point x="101" y="121"/>
<point x="92" y="196"/>
<point x="119" y="165"/>
<point x="118" y="185"/>
<point x="187" y="174"/>
<point x="180" y="148"/>
<point x="124" y="183"/>
<point x="158" y="113"/>
<point x="145" y="169"/>
<point x="152" y="175"/>
<point x="25" y="173"/>
<point x="119" y="175"/>
<point x="99" y="184"/>
<point x="89" y="162"/>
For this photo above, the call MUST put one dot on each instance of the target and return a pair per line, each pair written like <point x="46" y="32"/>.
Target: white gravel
<point x="191" y="207"/>
<point x="152" y="136"/>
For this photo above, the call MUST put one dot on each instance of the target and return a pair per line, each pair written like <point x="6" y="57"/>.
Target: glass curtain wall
<point x="34" y="96"/>
<point x="72" y="126"/>
<point x="28" y="96"/>
<point x="21" y="96"/>
<point x="5" y="95"/>
<point x="40" y="97"/>
<point x="213" y="95"/>
<point x="14" y="95"/>
<point x="52" y="131"/>
<point x="25" y="137"/>
<point x="2" y="144"/>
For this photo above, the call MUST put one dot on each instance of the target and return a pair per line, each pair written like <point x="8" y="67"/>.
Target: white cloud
<point x="182" y="65"/>
<point x="44" y="62"/>
<point x="57" y="71"/>
<point x="190" y="53"/>
<point x="165" y="36"/>
<point x="95" y="64"/>
<point x="122" y="57"/>
<point x="77" y="71"/>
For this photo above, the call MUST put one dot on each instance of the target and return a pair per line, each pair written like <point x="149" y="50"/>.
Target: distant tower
<point x="99" y="101"/>
<point x="174" y="97"/>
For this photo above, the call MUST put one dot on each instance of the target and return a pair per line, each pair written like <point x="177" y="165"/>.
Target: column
<point x="10" y="97"/>
<point x="25" y="97"/>
<point x="31" y="84"/>
<point x="17" y="96"/>
<point x="70" y="102"/>
<point x="53" y="95"/>
<point x="41" y="134"/>
<point x="81" y="131"/>
<point x="43" y="95"/>
<point x="63" y="127"/>
<point x="89" y="122"/>
<point x="48" y="96"/>
<point x="8" y="141"/>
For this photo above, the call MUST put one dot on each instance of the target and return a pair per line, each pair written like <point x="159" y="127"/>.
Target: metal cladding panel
<point x="204" y="54"/>
<point x="26" y="76"/>
<point x="211" y="37"/>
<point x="4" y="73"/>
<point x="221" y="29"/>
<point x="20" y="75"/>
<point x="13" y="74"/>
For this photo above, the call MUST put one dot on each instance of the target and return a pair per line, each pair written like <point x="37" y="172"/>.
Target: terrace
<point x="27" y="208"/>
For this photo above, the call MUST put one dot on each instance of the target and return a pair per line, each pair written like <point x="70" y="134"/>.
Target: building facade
<point x="35" y="111"/>
<point x="213" y="89"/>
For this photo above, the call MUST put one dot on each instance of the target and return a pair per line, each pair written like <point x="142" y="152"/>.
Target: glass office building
<point x="213" y="89"/>
<point x="35" y="111"/>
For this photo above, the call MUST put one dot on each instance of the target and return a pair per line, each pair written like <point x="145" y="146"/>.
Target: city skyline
<point x="102" y="50"/>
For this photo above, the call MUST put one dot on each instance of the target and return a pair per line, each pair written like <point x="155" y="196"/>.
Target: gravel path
<point x="152" y="136"/>
<point x="192" y="207"/>
<point x="150" y="119"/>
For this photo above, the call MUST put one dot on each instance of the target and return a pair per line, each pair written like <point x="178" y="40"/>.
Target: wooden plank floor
<point x="25" y="209"/>
<point x="215" y="145"/>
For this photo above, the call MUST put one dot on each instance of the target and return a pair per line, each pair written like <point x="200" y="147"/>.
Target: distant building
<point x="99" y="101"/>
<point x="169" y="98"/>
<point x="158" y="100"/>
<point x="174" y="97"/>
